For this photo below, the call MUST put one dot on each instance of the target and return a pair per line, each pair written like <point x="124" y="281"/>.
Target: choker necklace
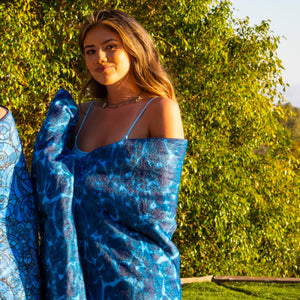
<point x="133" y="100"/>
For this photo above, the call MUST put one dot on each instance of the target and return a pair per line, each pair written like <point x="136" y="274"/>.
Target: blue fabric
<point x="53" y="167"/>
<point x="107" y="218"/>
<point x="19" y="270"/>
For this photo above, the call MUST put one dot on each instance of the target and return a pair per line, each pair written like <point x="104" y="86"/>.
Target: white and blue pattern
<point x="108" y="217"/>
<point x="19" y="270"/>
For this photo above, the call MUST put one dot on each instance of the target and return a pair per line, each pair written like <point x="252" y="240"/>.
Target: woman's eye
<point x="89" y="52"/>
<point x="111" y="46"/>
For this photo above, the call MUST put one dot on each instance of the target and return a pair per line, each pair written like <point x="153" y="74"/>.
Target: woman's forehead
<point x="100" y="34"/>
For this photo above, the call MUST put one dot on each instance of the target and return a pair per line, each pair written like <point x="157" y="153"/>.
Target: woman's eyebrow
<point x="88" y="46"/>
<point x="105" y="42"/>
<point x="109" y="40"/>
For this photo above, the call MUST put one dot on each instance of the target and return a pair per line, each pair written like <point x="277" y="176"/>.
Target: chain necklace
<point x="133" y="100"/>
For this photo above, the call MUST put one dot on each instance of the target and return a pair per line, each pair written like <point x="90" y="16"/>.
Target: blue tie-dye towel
<point x="19" y="270"/>
<point x="106" y="219"/>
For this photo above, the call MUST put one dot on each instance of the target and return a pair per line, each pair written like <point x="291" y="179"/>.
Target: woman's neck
<point x="117" y="94"/>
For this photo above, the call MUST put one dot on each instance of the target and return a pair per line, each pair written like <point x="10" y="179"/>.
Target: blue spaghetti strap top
<point x="81" y="153"/>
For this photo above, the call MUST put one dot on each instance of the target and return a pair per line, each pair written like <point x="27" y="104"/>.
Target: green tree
<point x="292" y="121"/>
<point x="239" y="202"/>
<point x="239" y="208"/>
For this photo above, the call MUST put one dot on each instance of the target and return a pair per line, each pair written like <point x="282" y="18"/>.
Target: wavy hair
<point x="146" y="66"/>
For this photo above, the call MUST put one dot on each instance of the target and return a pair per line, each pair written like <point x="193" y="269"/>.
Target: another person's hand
<point x="3" y="112"/>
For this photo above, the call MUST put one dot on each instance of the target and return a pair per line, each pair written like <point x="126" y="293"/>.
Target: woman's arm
<point x="165" y="119"/>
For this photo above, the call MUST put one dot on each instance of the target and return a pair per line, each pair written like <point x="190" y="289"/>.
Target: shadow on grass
<point x="239" y="290"/>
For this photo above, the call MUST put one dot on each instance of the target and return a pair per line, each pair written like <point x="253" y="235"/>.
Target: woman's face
<point x="105" y="56"/>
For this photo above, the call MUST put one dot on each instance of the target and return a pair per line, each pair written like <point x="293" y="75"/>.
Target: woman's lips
<point x="102" y="69"/>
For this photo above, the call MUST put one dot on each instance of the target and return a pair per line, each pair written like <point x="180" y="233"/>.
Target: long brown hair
<point x="148" y="71"/>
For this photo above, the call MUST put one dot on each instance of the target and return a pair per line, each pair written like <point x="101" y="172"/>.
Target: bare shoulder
<point x="165" y="119"/>
<point x="83" y="108"/>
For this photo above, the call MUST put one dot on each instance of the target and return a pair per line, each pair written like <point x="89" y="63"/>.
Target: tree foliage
<point x="239" y="201"/>
<point x="292" y="121"/>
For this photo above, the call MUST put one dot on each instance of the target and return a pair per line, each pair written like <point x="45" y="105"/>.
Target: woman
<point x="107" y="184"/>
<point x="19" y="271"/>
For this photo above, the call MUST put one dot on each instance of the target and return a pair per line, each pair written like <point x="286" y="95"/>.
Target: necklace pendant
<point x="137" y="99"/>
<point x="134" y="100"/>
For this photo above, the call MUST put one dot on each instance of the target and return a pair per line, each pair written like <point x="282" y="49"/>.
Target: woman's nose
<point x="101" y="56"/>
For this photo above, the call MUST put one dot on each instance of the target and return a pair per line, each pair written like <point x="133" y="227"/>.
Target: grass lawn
<point x="241" y="290"/>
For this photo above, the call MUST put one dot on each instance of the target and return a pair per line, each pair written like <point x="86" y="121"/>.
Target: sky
<point x="285" y="22"/>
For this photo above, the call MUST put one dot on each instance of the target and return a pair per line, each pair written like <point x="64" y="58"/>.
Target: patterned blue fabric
<point x="108" y="217"/>
<point x="53" y="167"/>
<point x="19" y="270"/>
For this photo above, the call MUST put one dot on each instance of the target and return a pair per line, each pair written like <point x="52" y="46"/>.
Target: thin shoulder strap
<point x="84" y="118"/>
<point x="138" y="117"/>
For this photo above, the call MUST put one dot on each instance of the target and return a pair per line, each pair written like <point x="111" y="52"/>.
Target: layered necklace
<point x="133" y="100"/>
